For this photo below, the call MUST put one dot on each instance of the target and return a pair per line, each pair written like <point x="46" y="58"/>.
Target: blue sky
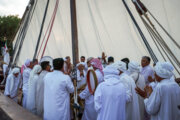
<point x="13" y="7"/>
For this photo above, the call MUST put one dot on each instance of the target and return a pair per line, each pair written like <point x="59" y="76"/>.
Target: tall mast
<point x="75" y="53"/>
<point x="74" y="32"/>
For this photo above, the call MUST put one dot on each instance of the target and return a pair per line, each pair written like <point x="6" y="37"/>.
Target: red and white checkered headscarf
<point x="95" y="62"/>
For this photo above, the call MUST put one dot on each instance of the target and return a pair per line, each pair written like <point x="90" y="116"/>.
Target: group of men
<point x="125" y="90"/>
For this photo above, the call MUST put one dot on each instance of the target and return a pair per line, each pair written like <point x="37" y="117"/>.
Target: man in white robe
<point x="111" y="97"/>
<point x="81" y="75"/>
<point x="13" y="84"/>
<point x="148" y="73"/>
<point x="67" y="65"/>
<point x="88" y="64"/>
<point x="164" y="100"/>
<point x="26" y="75"/>
<point x="132" y="108"/>
<point x="57" y="89"/>
<point x="146" y="70"/>
<point x="83" y="59"/>
<point x="134" y="72"/>
<point x="110" y="60"/>
<point x="89" y="110"/>
<point x="126" y="60"/>
<point x="32" y="85"/>
<point x="40" y="88"/>
<point x="6" y="63"/>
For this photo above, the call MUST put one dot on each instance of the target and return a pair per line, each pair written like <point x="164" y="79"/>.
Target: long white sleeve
<point x="97" y="99"/>
<point x="152" y="104"/>
<point x="70" y="85"/>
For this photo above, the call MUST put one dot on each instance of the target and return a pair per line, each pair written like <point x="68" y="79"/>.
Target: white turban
<point x="164" y="69"/>
<point x="109" y="70"/>
<point x="37" y="69"/>
<point x="81" y="63"/>
<point x="133" y="67"/>
<point x="119" y="65"/>
<point x="15" y="71"/>
<point x="27" y="62"/>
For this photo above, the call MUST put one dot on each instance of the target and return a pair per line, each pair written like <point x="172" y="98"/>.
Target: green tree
<point x="8" y="27"/>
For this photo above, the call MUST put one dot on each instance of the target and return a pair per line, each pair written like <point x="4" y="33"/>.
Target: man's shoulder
<point x="10" y="76"/>
<point x="27" y="70"/>
<point x="58" y="75"/>
<point x="149" y="68"/>
<point x="49" y="74"/>
<point x="98" y="73"/>
<point x="101" y="85"/>
<point x="66" y="76"/>
<point x="126" y="76"/>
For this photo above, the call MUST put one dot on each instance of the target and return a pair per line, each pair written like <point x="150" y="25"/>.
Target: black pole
<point x="153" y="56"/>
<point x="74" y="32"/>
<point x="42" y="26"/>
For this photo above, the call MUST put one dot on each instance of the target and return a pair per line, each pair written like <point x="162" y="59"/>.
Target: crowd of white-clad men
<point x="126" y="90"/>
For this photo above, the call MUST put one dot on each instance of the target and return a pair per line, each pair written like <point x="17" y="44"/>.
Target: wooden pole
<point x="74" y="32"/>
<point x="75" y="52"/>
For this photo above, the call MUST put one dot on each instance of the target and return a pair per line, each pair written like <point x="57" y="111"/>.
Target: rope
<point x="152" y="37"/>
<point x="141" y="34"/>
<point x="168" y="49"/>
<point x="54" y="15"/>
<point x="164" y="30"/>
<point x="24" y="31"/>
<point x="19" y="39"/>
<point x="45" y="35"/>
<point x="18" y="29"/>
<point x="158" y="40"/>
<point x="163" y="42"/>
<point x="156" y="37"/>
<point x="41" y="29"/>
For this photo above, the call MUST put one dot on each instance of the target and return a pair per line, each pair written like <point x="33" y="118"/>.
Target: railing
<point x="9" y="110"/>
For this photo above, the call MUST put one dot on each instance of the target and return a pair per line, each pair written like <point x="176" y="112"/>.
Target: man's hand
<point x="150" y="79"/>
<point x="177" y="80"/>
<point x="81" y="73"/>
<point x="141" y="92"/>
<point x="148" y="90"/>
<point x="103" y="56"/>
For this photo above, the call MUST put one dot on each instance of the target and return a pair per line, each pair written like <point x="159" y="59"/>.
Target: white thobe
<point x="132" y="108"/>
<point x="89" y="110"/>
<point x="31" y="97"/>
<point x="110" y="99"/>
<point x="81" y="80"/>
<point x="40" y="94"/>
<point x="26" y="75"/>
<point x="6" y="60"/>
<point x="65" y="67"/>
<point x="146" y="72"/>
<point x="164" y="101"/>
<point x="140" y="82"/>
<point x="57" y="87"/>
<point x="12" y="86"/>
<point x="86" y="67"/>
